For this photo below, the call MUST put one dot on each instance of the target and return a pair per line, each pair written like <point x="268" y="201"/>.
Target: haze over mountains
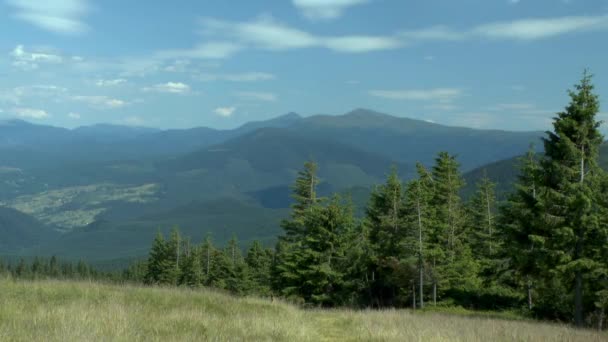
<point x="102" y="191"/>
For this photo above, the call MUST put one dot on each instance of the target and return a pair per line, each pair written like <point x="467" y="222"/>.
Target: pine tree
<point x="207" y="252"/>
<point x="259" y="261"/>
<point x="191" y="270"/>
<point x="482" y="224"/>
<point x="384" y="221"/>
<point x="521" y="227"/>
<point x="304" y="194"/>
<point x="323" y="253"/>
<point x="157" y="261"/>
<point x="570" y="179"/>
<point x="419" y="219"/>
<point x="453" y="263"/>
<point x="286" y="270"/>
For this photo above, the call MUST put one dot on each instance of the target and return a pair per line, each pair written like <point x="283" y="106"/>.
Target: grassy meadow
<point x="85" y="311"/>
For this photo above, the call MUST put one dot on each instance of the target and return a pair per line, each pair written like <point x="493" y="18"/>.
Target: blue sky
<point x="502" y="64"/>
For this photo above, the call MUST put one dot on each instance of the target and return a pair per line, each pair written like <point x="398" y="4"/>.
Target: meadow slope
<point x="78" y="311"/>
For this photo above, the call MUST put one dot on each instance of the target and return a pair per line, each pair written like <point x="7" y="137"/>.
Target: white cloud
<point x="169" y="87"/>
<point x="211" y="50"/>
<point x="438" y="94"/>
<point x="28" y="60"/>
<point x="225" y="111"/>
<point x="110" y="83"/>
<point x="257" y="95"/>
<point x="30" y="113"/>
<point x="522" y="29"/>
<point x="442" y="107"/>
<point x="531" y="29"/>
<point x="325" y="9"/>
<point x="74" y="116"/>
<point x="59" y="16"/>
<point x="100" y="101"/>
<point x="242" y="77"/>
<point x="268" y="34"/>
<point x="133" y="121"/>
<point x="440" y="33"/>
<point x="512" y="107"/>
<point x="361" y="43"/>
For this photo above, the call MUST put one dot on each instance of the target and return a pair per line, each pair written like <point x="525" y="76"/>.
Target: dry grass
<point x="82" y="311"/>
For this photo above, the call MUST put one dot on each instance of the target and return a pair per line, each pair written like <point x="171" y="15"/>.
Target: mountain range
<point x="101" y="192"/>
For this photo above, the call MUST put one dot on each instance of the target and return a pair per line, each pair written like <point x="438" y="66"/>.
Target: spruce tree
<point x="419" y="219"/>
<point x="259" y="261"/>
<point x="322" y="262"/>
<point x="191" y="270"/>
<point x="454" y="266"/>
<point x="570" y="180"/>
<point x="157" y="261"/>
<point x="521" y="227"/>
<point x="482" y="218"/>
<point x="385" y="222"/>
<point x="288" y="276"/>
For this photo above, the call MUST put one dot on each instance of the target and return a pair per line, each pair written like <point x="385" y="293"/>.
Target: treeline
<point x="41" y="268"/>
<point x="544" y="249"/>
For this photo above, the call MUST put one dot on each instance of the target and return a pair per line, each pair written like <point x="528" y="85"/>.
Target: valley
<point x="97" y="185"/>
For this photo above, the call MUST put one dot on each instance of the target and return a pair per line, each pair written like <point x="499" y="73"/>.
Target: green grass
<point x="83" y="311"/>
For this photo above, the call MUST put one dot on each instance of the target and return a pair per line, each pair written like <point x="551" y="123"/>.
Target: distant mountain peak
<point x="15" y="122"/>
<point x="364" y="112"/>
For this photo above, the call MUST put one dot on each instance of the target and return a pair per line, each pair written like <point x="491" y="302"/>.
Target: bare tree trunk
<point x="421" y="268"/>
<point x="529" y="285"/>
<point x="578" y="275"/>
<point x="434" y="284"/>
<point x="489" y="213"/>
<point x="414" y="295"/>
<point x="208" y="258"/>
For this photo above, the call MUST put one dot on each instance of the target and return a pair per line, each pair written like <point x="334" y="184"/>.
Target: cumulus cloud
<point x="239" y="77"/>
<point x="437" y="94"/>
<point x="74" y="116"/>
<point x="29" y="60"/>
<point x="268" y="34"/>
<point x="169" y="87"/>
<point x="325" y="9"/>
<point x="225" y="111"/>
<point x="257" y="96"/>
<point x="30" y="113"/>
<point x="100" y="101"/>
<point x="531" y="29"/>
<point x="58" y="16"/>
<point x="110" y="83"/>
<point x="210" y="50"/>
<point x="521" y="29"/>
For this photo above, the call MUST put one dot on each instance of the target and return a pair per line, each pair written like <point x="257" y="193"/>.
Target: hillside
<point x="409" y="140"/>
<point x="107" y="189"/>
<point x="18" y="230"/>
<point x="60" y="311"/>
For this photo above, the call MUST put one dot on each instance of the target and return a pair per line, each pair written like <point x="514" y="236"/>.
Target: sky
<point x="499" y="64"/>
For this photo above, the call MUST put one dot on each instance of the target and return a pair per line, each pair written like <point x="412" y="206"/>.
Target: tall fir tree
<point x="521" y="227"/>
<point x="454" y="264"/>
<point x="419" y="219"/>
<point x="570" y="181"/>
<point x="482" y="225"/>
<point x="259" y="261"/>
<point x="286" y="270"/>
<point x="385" y="222"/>
<point x="323" y="255"/>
